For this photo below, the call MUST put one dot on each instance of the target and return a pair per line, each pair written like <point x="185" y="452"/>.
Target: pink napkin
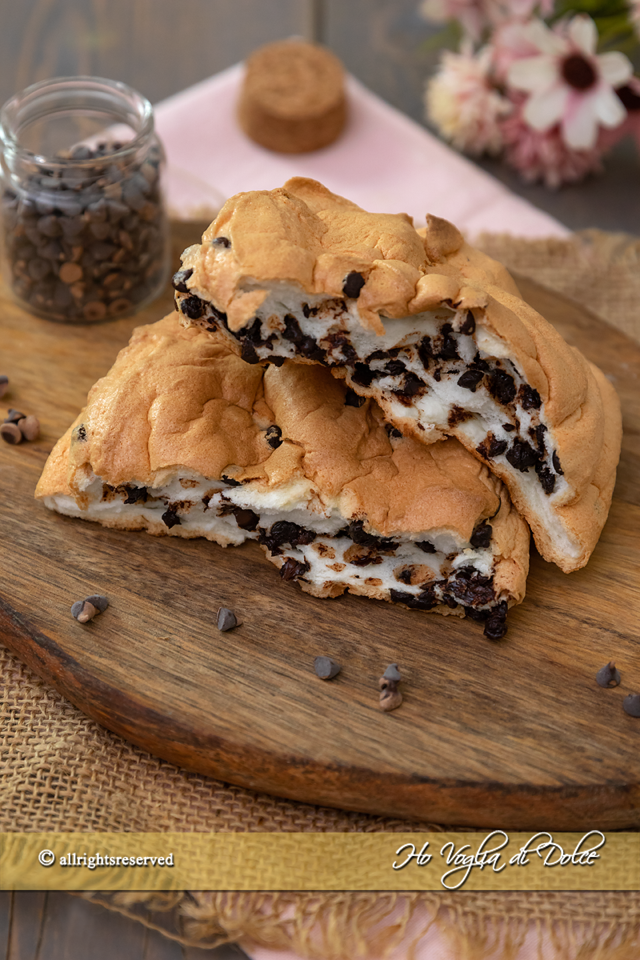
<point x="383" y="161"/>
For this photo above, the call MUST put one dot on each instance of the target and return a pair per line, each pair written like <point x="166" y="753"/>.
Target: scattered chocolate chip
<point x="179" y="280"/>
<point x="425" y="352"/>
<point x="491" y="447"/>
<point x="410" y="387"/>
<point x="631" y="704"/>
<point x="326" y="668"/>
<point x="522" y="455"/>
<point x="470" y="379"/>
<point x="351" y="398"/>
<point x="249" y="353"/>
<point x="227" y="619"/>
<point x="392" y="673"/>
<point x="192" y="307"/>
<point x="85" y="610"/>
<point x="469" y="325"/>
<point x="508" y="427"/>
<point x="481" y="536"/>
<point x="608" y="676"/>
<point x="359" y="535"/>
<point x="4" y="384"/>
<point x="457" y="415"/>
<point x="170" y="517"/>
<point x="221" y="242"/>
<point x="529" y="398"/>
<point x="502" y="386"/>
<point x="364" y="376"/>
<point x="546" y="477"/>
<point x="556" y="464"/>
<point x="449" y="347"/>
<point x="136" y="494"/>
<point x="425" y="546"/>
<point x="496" y="624"/>
<point x="283" y="532"/>
<point x="273" y="436"/>
<point x="99" y="602"/>
<point x="390" y="696"/>
<point x="246" y="519"/>
<point x="395" y="367"/>
<point x="13" y="416"/>
<point x="293" y="569"/>
<point x="352" y="285"/>
<point x="537" y="434"/>
<point x="29" y="427"/>
<point x="393" y="431"/>
<point x="11" y="433"/>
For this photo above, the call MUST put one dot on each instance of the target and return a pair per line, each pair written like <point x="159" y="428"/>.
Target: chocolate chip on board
<point x="11" y="433"/>
<point x="326" y="668"/>
<point x="631" y="704"/>
<point x="390" y="696"/>
<point x="226" y="619"/>
<point x="608" y="676"/>
<point x="29" y="427"/>
<point x="4" y="384"/>
<point x="86" y="610"/>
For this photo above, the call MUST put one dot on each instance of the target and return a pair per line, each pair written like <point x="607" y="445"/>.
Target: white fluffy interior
<point x="431" y="410"/>
<point x="296" y="502"/>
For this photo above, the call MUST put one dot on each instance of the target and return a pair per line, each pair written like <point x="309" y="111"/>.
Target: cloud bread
<point x="432" y="329"/>
<point x="184" y="438"/>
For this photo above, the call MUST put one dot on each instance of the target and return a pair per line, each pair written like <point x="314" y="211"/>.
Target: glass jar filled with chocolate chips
<point x="83" y="223"/>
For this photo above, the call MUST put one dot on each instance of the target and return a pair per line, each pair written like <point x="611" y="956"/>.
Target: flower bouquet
<point x="548" y="86"/>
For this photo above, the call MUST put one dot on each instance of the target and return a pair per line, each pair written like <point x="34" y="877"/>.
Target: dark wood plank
<point x="157" y="46"/>
<point x="75" y="928"/>
<point x="516" y="734"/>
<point x="27" y="924"/>
<point x="6" y="906"/>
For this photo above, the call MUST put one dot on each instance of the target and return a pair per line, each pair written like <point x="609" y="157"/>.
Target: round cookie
<point x="293" y="97"/>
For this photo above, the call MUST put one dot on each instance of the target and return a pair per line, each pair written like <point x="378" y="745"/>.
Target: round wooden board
<point x="513" y="734"/>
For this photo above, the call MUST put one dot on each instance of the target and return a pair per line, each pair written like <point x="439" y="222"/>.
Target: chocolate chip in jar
<point x="84" y="228"/>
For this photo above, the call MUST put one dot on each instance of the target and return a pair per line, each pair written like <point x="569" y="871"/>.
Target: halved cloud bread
<point x="184" y="438"/>
<point x="432" y="329"/>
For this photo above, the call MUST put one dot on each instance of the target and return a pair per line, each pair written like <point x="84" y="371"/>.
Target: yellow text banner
<point x="494" y="860"/>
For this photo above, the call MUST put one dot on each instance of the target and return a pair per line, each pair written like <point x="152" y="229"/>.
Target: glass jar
<point x="83" y="222"/>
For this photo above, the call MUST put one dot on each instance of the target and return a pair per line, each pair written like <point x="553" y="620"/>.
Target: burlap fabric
<point x="60" y="771"/>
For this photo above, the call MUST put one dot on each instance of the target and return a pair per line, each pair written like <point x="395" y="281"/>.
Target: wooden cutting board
<point x="514" y="734"/>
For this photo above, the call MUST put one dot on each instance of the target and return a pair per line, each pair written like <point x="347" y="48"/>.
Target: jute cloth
<point x="60" y="771"/>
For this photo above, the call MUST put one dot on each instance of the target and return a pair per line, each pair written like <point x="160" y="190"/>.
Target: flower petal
<point x="584" y="33"/>
<point x="537" y="33"/>
<point x="580" y="123"/>
<point x="608" y="108"/>
<point x="615" y="68"/>
<point x="533" y="73"/>
<point x="543" y="110"/>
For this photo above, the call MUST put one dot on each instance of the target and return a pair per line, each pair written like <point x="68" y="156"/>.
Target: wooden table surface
<point x="161" y="47"/>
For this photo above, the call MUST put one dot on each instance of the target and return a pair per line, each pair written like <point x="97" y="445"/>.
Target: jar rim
<point x="140" y="115"/>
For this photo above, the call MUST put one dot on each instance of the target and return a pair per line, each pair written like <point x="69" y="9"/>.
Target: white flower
<point x="568" y="84"/>
<point x="463" y="104"/>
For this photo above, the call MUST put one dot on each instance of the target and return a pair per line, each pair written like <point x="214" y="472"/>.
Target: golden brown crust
<point x="292" y="98"/>
<point x="177" y="400"/>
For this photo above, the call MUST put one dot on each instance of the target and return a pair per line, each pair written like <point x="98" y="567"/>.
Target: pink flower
<point x="543" y="155"/>
<point x="476" y="16"/>
<point x="463" y="104"/>
<point x="513" y="41"/>
<point x="570" y="85"/>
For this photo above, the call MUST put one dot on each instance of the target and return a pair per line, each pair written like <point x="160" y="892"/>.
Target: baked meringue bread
<point x="184" y="438"/>
<point x="431" y="328"/>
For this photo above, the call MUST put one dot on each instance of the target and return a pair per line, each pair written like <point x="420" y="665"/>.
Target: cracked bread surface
<point x="184" y="438"/>
<point x="300" y="273"/>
